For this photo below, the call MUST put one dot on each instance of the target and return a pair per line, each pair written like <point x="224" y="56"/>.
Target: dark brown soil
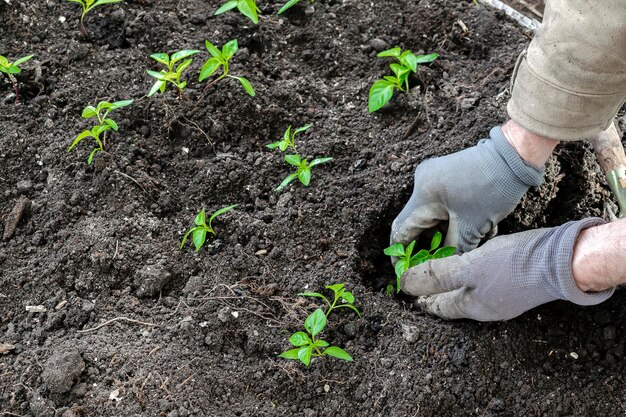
<point x="101" y="242"/>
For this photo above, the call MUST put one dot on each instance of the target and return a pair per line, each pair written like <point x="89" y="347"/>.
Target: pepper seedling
<point x="289" y="139"/>
<point x="382" y="90"/>
<point x="171" y="75"/>
<point x="407" y="260"/>
<point x="247" y="8"/>
<point x="12" y="68"/>
<point x="290" y="4"/>
<point x="201" y="228"/>
<point x="307" y="344"/>
<point x="219" y="60"/>
<point x="101" y="113"/>
<point x="88" y="5"/>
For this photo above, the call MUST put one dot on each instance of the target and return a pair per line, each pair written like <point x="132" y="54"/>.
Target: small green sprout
<point x="303" y="167"/>
<point x="12" y="68"/>
<point x="303" y="171"/>
<point x="101" y="112"/>
<point x="220" y="60"/>
<point x="407" y="260"/>
<point x="289" y="139"/>
<point x="307" y="346"/>
<point x="201" y="228"/>
<point x="247" y="8"/>
<point x="87" y="5"/>
<point x="290" y="4"/>
<point x="382" y="90"/>
<point x="170" y="74"/>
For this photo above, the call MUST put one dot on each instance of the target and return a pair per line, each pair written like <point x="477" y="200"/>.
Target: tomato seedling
<point x="171" y="75"/>
<point x="12" y="68"/>
<point x="303" y="166"/>
<point x="307" y="345"/>
<point x="201" y="228"/>
<point x="407" y="260"/>
<point x="88" y="5"/>
<point x="290" y="4"/>
<point x="101" y="113"/>
<point x="219" y="60"/>
<point x="247" y="8"/>
<point x="382" y="90"/>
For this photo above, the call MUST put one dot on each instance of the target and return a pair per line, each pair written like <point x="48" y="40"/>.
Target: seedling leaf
<point x="319" y="161"/>
<point x="316" y="322"/>
<point x="338" y="353"/>
<point x="393" y="52"/>
<point x="436" y="241"/>
<point x="304" y="354"/>
<point x="288" y="5"/>
<point x="290" y="354"/>
<point x="380" y="94"/>
<point x="299" y="339"/>
<point x="229" y="5"/>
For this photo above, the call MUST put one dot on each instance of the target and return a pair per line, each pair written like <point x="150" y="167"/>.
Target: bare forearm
<point x="533" y="148"/>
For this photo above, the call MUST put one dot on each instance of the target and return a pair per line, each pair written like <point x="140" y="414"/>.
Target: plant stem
<point x="17" y="91"/>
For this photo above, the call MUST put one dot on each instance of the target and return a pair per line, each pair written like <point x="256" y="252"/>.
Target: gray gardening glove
<point x="505" y="277"/>
<point x="473" y="190"/>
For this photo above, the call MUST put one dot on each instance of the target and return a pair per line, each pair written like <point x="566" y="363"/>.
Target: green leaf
<point x="395" y="250"/>
<point x="287" y="135"/>
<point x="209" y="68"/>
<point x="294" y="160"/>
<point x="424" y="59"/>
<point x="393" y="52"/>
<point x="316" y="322"/>
<point x="338" y="353"/>
<point x="248" y="8"/>
<point x="229" y="49"/>
<point x="380" y="94"/>
<point x="290" y="354"/>
<point x="89" y="111"/>
<point x="274" y="145"/>
<point x="101" y="2"/>
<point x="287" y="181"/>
<point x="399" y="70"/>
<point x="436" y="241"/>
<point x="229" y="5"/>
<point x="213" y="50"/>
<point x="444" y="252"/>
<point x="182" y="244"/>
<point x="288" y="5"/>
<point x="401" y="266"/>
<point x="299" y="339"/>
<point x="335" y="287"/>
<point x="420" y="257"/>
<point x="409" y="249"/>
<point x="312" y="294"/>
<point x="159" y="85"/>
<point x="302" y="129"/>
<point x="183" y="65"/>
<point x="247" y="86"/>
<point x="304" y="175"/>
<point x="348" y="297"/>
<point x="199" y="237"/>
<point x="200" y="218"/>
<point x="182" y="55"/>
<point x="320" y="343"/>
<point x="161" y="58"/>
<point x="319" y="161"/>
<point x="304" y="354"/>
<point x="91" y="155"/>
<point x="220" y="212"/>
<point x="22" y="60"/>
<point x="408" y="59"/>
<point x="119" y="104"/>
<point x="83" y="135"/>
<point x="350" y="306"/>
<point x="14" y="69"/>
<point x="111" y="123"/>
<point x="97" y="130"/>
<point x="156" y="74"/>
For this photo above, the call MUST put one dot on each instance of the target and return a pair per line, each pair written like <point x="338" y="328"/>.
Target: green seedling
<point x="219" y="60"/>
<point x="382" y="90"/>
<point x="303" y="170"/>
<point x="171" y="75"/>
<point x="12" y="68"/>
<point x="303" y="166"/>
<point x="407" y="260"/>
<point x="289" y="139"/>
<point x="101" y="113"/>
<point x="199" y="231"/>
<point x="247" y="8"/>
<point x="88" y="5"/>
<point x="307" y="344"/>
<point x="290" y="4"/>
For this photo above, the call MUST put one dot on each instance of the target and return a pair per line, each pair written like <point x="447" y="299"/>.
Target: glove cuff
<point x="562" y="264"/>
<point x="525" y="172"/>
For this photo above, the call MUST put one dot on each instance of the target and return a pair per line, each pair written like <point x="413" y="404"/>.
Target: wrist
<point x="532" y="148"/>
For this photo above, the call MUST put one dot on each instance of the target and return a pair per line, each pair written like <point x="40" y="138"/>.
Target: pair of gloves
<point x="473" y="190"/>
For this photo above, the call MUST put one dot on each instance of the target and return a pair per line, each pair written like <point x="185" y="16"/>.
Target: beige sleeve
<point x="571" y="81"/>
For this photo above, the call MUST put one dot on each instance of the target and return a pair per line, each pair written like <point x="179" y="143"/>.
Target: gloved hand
<point x="505" y="277"/>
<point x="473" y="189"/>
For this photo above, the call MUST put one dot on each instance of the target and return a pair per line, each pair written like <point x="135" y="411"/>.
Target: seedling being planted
<point x="382" y="90"/>
<point x="199" y="231"/>
<point x="308" y="344"/>
<point x="88" y="5"/>
<point x="247" y="8"/>
<point x="219" y="60"/>
<point x="101" y="113"/>
<point x="303" y="166"/>
<point x="407" y="260"/>
<point x="12" y="68"/>
<point x="171" y="75"/>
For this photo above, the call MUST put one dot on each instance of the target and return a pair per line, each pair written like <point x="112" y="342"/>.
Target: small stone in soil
<point x="410" y="333"/>
<point x="62" y="369"/>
